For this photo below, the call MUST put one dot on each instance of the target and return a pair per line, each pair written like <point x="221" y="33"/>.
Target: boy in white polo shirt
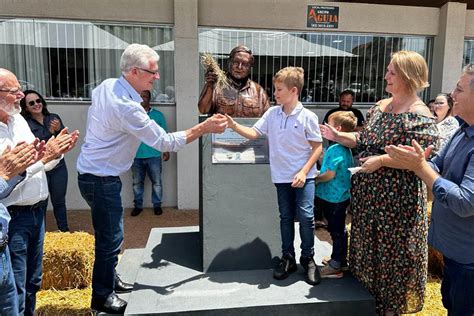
<point x="295" y="145"/>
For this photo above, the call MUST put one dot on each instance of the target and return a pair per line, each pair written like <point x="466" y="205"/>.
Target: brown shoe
<point x="328" y="272"/>
<point x="344" y="266"/>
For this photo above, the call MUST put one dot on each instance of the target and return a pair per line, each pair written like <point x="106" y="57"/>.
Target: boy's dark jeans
<point x="335" y="214"/>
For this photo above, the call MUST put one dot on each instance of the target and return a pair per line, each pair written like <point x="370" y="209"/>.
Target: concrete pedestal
<point x="239" y="219"/>
<point x="169" y="282"/>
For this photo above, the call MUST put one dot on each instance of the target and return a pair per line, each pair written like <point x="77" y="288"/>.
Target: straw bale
<point x="433" y="304"/>
<point x="69" y="302"/>
<point x="68" y="260"/>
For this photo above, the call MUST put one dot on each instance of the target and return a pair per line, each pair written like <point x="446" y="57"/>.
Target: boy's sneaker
<point x="344" y="266"/>
<point x="328" y="272"/>
<point x="313" y="276"/>
<point x="286" y="266"/>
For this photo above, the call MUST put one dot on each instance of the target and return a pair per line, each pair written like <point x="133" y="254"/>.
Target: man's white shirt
<point x="35" y="186"/>
<point x="116" y="125"/>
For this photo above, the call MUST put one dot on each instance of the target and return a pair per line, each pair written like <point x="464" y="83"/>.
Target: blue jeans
<point x="140" y="167"/>
<point x="292" y="203"/>
<point x="335" y="213"/>
<point x="103" y="196"/>
<point x="8" y="294"/>
<point x="457" y="288"/>
<point x="57" y="185"/>
<point x="26" y="237"/>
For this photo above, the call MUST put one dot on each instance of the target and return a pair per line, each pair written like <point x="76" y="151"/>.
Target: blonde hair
<point x="291" y="77"/>
<point x="412" y="68"/>
<point x="345" y="119"/>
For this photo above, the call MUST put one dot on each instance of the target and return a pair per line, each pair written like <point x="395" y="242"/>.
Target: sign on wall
<point x="322" y="17"/>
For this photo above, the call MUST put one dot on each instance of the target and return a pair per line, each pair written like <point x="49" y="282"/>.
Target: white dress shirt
<point x="116" y="125"/>
<point x="35" y="186"/>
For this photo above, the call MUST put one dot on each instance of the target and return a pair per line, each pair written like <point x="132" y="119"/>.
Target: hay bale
<point x="69" y="302"/>
<point x="68" y="260"/>
<point x="433" y="304"/>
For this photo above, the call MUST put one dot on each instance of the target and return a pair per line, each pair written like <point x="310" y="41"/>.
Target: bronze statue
<point x="243" y="97"/>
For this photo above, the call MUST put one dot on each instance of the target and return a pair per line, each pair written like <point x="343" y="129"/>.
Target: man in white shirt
<point x="116" y="125"/>
<point x="27" y="202"/>
<point x="12" y="163"/>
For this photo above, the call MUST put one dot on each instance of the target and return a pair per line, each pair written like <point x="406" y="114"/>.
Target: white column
<point x="186" y="66"/>
<point x="448" y="47"/>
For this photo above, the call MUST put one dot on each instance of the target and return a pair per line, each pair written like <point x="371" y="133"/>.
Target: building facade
<point x="65" y="48"/>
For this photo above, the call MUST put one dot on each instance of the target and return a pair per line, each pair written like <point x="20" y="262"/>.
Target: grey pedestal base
<point x="169" y="281"/>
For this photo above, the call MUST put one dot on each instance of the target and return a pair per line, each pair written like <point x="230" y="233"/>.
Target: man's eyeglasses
<point x="12" y="91"/>
<point x="33" y="102"/>
<point x="154" y="73"/>
<point x="241" y="64"/>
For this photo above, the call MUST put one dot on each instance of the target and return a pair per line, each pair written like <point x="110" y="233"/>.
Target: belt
<point x="3" y="244"/>
<point x="25" y="207"/>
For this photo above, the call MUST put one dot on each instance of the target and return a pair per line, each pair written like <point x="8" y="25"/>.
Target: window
<point x="332" y="62"/>
<point x="468" y="56"/>
<point x="68" y="59"/>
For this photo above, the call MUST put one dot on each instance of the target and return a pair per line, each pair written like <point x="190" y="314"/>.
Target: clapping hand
<point x="54" y="125"/>
<point x="412" y="157"/>
<point x="370" y="164"/>
<point x="15" y="161"/>
<point x="61" y="144"/>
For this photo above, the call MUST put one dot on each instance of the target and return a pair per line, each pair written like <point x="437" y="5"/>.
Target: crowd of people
<point x="404" y="149"/>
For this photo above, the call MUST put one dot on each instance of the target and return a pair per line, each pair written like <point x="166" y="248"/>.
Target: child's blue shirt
<point x="337" y="158"/>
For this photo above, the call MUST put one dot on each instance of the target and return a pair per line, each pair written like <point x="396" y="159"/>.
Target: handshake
<point x="15" y="161"/>
<point x="215" y="124"/>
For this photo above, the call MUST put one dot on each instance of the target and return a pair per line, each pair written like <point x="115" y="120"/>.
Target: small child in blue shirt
<point x="333" y="193"/>
<point x="294" y="142"/>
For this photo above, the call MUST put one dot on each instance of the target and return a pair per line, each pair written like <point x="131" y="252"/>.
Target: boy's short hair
<point x="345" y="119"/>
<point x="291" y="77"/>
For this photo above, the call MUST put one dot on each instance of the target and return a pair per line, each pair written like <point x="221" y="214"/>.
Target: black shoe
<point x="122" y="287"/>
<point x="158" y="210"/>
<point x="136" y="211"/>
<point x="313" y="275"/>
<point x="112" y="304"/>
<point x="286" y="266"/>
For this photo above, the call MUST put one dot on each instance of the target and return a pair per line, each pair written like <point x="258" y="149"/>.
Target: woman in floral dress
<point x="388" y="249"/>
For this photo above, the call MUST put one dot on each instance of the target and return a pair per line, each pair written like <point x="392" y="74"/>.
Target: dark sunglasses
<point x="31" y="103"/>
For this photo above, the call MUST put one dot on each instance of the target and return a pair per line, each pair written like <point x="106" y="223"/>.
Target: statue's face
<point x="240" y="66"/>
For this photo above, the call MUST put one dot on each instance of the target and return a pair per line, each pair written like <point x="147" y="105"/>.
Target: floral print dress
<point x="388" y="248"/>
<point x="447" y="128"/>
